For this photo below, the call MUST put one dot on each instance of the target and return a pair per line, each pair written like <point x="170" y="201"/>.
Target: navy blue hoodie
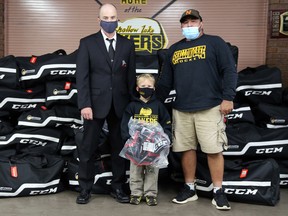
<point x="201" y="71"/>
<point x="150" y="112"/>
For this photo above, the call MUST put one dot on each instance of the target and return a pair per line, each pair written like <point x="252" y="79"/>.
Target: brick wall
<point x="277" y="48"/>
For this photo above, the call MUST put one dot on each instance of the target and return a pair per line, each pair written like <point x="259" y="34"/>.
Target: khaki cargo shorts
<point x="205" y="127"/>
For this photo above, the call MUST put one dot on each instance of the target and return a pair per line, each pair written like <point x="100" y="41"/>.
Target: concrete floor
<point x="63" y="203"/>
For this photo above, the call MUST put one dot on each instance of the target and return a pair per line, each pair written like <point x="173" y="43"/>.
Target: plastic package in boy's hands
<point x="148" y="145"/>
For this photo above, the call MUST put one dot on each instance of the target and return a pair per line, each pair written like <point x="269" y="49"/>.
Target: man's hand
<point x="226" y="107"/>
<point x="87" y="113"/>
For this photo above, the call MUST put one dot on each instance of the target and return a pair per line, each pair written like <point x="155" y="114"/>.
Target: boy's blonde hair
<point x="145" y="76"/>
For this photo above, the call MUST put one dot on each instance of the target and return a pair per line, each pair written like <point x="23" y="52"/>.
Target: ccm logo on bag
<point x="34" y="142"/>
<point x="171" y="97"/>
<point x="41" y="192"/>
<point x="241" y="191"/>
<point x="63" y="72"/>
<point x="269" y="150"/>
<point x="284" y="182"/>
<point x="247" y="93"/>
<point x="24" y="106"/>
<point x="234" y="116"/>
<point x="169" y="100"/>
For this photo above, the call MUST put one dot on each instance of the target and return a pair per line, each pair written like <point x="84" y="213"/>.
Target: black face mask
<point x="146" y="92"/>
<point x="109" y="27"/>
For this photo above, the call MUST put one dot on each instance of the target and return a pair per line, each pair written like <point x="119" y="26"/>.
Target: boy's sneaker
<point x="151" y="200"/>
<point x="185" y="195"/>
<point x="220" y="200"/>
<point x="135" y="200"/>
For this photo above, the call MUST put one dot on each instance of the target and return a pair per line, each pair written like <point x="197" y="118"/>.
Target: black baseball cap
<point x="192" y="13"/>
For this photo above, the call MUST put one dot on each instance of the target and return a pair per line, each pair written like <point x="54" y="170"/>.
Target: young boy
<point x="144" y="179"/>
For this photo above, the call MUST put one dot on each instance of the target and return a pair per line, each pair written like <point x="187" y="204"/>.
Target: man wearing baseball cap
<point x="202" y="70"/>
<point x="193" y="14"/>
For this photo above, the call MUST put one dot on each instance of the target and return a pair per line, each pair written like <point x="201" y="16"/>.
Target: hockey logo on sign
<point x="147" y="34"/>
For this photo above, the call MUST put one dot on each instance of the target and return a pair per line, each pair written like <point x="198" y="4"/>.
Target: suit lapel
<point x="119" y="47"/>
<point x="102" y="46"/>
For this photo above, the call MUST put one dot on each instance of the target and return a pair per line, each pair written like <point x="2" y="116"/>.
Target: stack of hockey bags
<point x="41" y="126"/>
<point x="30" y="123"/>
<point x="40" y="121"/>
<point x="256" y="159"/>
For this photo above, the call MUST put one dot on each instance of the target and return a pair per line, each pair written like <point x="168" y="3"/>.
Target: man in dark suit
<point x="105" y="82"/>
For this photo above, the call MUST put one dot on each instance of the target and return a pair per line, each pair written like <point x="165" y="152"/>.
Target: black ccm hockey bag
<point x="283" y="169"/>
<point x="260" y="84"/>
<point x="271" y="116"/>
<point x="240" y="113"/>
<point x="20" y="100"/>
<point x="33" y="140"/>
<point x="249" y="141"/>
<point x="9" y="73"/>
<point x="103" y="170"/>
<point x="43" y="117"/>
<point x="61" y="92"/>
<point x="27" y="175"/>
<point x="102" y="180"/>
<point x="46" y="68"/>
<point x="103" y="175"/>
<point x="254" y="182"/>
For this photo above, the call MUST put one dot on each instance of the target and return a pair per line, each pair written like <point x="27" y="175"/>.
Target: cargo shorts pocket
<point x="222" y="139"/>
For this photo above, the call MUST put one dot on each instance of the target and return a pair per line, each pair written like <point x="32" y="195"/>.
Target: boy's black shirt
<point x="150" y="112"/>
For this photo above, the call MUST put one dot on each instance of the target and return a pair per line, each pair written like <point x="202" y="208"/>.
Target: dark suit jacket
<point x="98" y="81"/>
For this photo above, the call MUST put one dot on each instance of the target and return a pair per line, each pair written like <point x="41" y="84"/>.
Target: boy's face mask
<point x="146" y="92"/>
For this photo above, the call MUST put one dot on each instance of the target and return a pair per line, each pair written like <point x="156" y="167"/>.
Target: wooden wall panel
<point x="41" y="26"/>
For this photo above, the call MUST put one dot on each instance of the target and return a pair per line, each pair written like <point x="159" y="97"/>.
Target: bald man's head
<point x="108" y="12"/>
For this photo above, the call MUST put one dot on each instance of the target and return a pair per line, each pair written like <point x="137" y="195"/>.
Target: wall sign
<point x="147" y="33"/>
<point x="279" y="23"/>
